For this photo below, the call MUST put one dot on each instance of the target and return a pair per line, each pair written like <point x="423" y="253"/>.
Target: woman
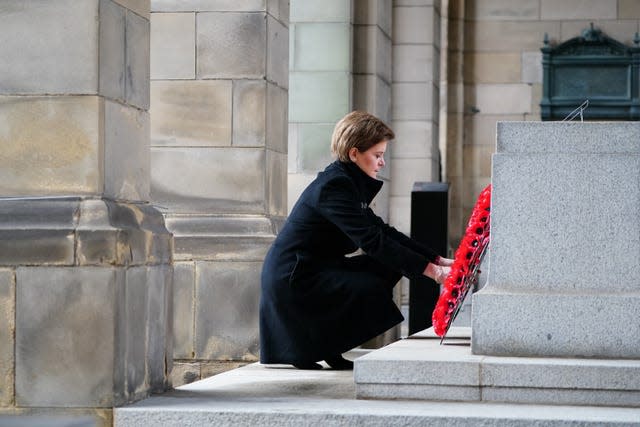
<point x="316" y="302"/>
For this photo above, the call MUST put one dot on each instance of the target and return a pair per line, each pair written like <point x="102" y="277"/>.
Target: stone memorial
<point x="556" y="323"/>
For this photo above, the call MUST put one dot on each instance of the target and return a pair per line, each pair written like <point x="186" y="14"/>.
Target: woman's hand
<point x="444" y="261"/>
<point x="436" y="272"/>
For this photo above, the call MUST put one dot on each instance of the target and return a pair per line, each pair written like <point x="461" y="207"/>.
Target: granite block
<point x="141" y="7"/>
<point x="33" y="247"/>
<point x="137" y="318"/>
<point x="173" y="46"/>
<point x="231" y="45"/>
<point x="492" y="67"/>
<point x="184" y="373"/>
<point x="221" y="247"/>
<point x="628" y="9"/>
<point x="120" y="395"/>
<point x="578" y="9"/>
<point x="415" y="25"/>
<point x="372" y="93"/>
<point x="327" y="11"/>
<point x="230" y="332"/>
<point x="207" y="5"/>
<point x="418" y="392"/>
<point x="401" y="366"/>
<point x="413" y="101"/>
<point x="503" y="10"/>
<point x="372" y="52"/>
<point x="276" y="184"/>
<point x="374" y="12"/>
<point x="219" y="225"/>
<point x="64" y="336"/>
<point x="159" y="304"/>
<point x="508" y="36"/>
<point x="51" y="145"/>
<point x="7" y="336"/>
<point x="126" y="152"/>
<point x="551" y="236"/>
<point x="112" y="50"/>
<point x="569" y="137"/>
<point x="541" y="396"/>
<point x="69" y="58"/>
<point x="414" y="63"/>
<point x="249" y="113"/>
<point x="310" y="52"/>
<point x="96" y="247"/>
<point x="277" y="52"/>
<point x="314" y="146"/>
<point x="137" y="61"/>
<point x="277" y="118"/>
<point x="191" y="113"/>
<point x="413" y="139"/>
<point x="184" y="180"/>
<point x="514" y="98"/>
<point x="319" y="96"/>
<point x="587" y="324"/>
<point x="183" y="310"/>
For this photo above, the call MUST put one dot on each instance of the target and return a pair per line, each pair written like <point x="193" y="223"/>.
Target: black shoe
<point x="339" y="363"/>
<point x="312" y="366"/>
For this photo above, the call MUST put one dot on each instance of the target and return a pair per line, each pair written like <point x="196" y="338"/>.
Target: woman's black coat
<point x="316" y="302"/>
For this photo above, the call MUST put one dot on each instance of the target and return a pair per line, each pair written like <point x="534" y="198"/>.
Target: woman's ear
<point x="352" y="154"/>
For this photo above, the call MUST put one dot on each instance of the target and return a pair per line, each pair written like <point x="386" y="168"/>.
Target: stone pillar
<point x="219" y="83"/>
<point x="415" y="103"/>
<point x="565" y="238"/>
<point x="85" y="261"/>
<point x="321" y="75"/>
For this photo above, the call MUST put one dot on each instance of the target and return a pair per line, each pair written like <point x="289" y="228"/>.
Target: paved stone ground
<point x="257" y="395"/>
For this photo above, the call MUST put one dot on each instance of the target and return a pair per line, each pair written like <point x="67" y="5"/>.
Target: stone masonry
<point x="85" y="260"/>
<point x="219" y="85"/>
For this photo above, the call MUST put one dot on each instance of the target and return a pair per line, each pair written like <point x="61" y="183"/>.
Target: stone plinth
<point x="86" y="285"/>
<point x="420" y="368"/>
<point x="564" y="280"/>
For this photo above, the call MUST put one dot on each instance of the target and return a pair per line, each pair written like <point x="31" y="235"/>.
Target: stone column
<point x="565" y="238"/>
<point x="415" y="103"/>
<point x="85" y="276"/>
<point x="321" y="75"/>
<point x="219" y="82"/>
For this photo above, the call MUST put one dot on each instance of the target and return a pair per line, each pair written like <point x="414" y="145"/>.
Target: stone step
<point x="256" y="395"/>
<point x="421" y="368"/>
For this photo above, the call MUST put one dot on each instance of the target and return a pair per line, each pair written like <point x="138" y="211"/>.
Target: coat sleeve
<point x="339" y="203"/>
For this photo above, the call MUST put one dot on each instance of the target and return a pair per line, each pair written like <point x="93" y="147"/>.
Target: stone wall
<point x="502" y="73"/>
<point x="219" y="83"/>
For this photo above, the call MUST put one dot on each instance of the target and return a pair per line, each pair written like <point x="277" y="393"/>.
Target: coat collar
<point x="368" y="186"/>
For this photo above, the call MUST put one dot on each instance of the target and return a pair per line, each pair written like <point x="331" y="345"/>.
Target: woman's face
<point x="370" y="161"/>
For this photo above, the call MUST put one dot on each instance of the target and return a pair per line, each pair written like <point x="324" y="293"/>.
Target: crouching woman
<point x="317" y="303"/>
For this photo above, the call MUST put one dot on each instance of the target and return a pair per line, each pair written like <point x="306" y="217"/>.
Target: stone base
<point x="86" y="285"/>
<point x="420" y="368"/>
<point x="534" y="324"/>
<point x="218" y="260"/>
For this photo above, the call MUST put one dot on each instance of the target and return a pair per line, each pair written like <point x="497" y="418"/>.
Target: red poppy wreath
<point x="467" y="259"/>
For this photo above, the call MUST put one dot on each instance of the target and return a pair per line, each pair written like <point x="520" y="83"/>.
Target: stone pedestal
<point x="564" y="279"/>
<point x="557" y="321"/>
<point x="85" y="260"/>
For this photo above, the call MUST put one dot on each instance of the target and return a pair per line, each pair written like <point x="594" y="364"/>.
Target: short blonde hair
<point x="358" y="129"/>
